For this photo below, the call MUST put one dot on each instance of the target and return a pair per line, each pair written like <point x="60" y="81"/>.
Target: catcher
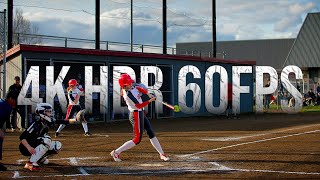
<point x="35" y="141"/>
<point x="132" y="97"/>
<point x="75" y="112"/>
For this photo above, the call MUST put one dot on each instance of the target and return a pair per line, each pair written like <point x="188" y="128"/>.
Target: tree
<point x="24" y="32"/>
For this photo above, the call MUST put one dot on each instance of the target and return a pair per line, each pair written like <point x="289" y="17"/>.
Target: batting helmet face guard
<point x="125" y="80"/>
<point x="73" y="82"/>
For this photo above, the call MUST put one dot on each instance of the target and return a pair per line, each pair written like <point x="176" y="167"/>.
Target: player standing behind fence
<point x="74" y="111"/>
<point x="131" y="95"/>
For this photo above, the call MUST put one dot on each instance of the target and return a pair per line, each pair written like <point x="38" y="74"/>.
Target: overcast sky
<point x="188" y="20"/>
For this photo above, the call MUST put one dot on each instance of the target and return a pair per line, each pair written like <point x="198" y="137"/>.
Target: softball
<point x="176" y="108"/>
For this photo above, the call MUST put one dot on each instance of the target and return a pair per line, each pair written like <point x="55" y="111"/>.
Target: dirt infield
<point x="255" y="146"/>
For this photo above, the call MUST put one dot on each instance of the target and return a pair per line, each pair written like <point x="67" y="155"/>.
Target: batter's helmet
<point x="73" y="82"/>
<point x="125" y="80"/>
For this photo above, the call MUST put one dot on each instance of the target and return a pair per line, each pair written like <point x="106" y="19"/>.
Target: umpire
<point x="6" y="106"/>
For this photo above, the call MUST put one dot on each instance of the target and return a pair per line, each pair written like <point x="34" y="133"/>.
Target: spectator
<point x="110" y="91"/>
<point x="311" y="97"/>
<point x="6" y="107"/>
<point x="298" y="87"/>
<point x="273" y="100"/>
<point x="12" y="122"/>
<point x="318" y="94"/>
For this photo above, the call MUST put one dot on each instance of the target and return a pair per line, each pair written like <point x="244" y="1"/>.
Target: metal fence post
<point x="26" y="117"/>
<point x="65" y="42"/>
<point x="4" y="56"/>
<point x="107" y="45"/>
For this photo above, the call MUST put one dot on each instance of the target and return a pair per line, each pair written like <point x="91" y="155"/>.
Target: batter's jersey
<point x="72" y="94"/>
<point x="133" y="99"/>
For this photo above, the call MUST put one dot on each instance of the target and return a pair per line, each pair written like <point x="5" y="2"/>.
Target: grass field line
<point x="233" y="138"/>
<point x="246" y="143"/>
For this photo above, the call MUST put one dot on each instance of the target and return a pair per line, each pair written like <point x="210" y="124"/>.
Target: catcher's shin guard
<point x="54" y="148"/>
<point x="40" y="152"/>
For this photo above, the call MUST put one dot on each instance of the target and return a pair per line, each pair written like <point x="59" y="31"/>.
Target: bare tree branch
<point x="22" y="26"/>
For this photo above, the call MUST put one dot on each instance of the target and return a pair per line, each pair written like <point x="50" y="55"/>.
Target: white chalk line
<point x="72" y="161"/>
<point x="263" y="140"/>
<point x="245" y="143"/>
<point x="100" y="135"/>
<point x="272" y="171"/>
<point x="57" y="175"/>
<point x="220" y="167"/>
<point x="255" y="135"/>
<point x="16" y="175"/>
<point x="19" y="161"/>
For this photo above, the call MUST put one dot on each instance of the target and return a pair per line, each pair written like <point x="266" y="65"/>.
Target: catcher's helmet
<point x="45" y="111"/>
<point x="73" y="82"/>
<point x="125" y="80"/>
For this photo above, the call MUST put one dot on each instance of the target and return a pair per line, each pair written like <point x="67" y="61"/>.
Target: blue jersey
<point x="5" y="111"/>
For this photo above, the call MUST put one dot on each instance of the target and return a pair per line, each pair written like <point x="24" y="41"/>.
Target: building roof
<point x="266" y="52"/>
<point x="305" y="51"/>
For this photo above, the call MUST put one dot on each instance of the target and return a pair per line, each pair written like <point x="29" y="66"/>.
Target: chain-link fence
<point x="3" y="53"/>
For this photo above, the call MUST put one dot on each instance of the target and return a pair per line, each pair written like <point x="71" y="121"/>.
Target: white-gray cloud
<point x="188" y="20"/>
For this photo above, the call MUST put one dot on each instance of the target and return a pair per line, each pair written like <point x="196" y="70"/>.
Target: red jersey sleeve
<point x="139" y="106"/>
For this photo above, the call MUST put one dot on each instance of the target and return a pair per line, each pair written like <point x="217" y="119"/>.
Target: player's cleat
<point x="87" y="134"/>
<point x="2" y="167"/>
<point x="56" y="134"/>
<point x="115" y="156"/>
<point x="164" y="157"/>
<point x="32" y="166"/>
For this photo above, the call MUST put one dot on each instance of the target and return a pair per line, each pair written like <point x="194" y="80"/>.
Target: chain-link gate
<point x="3" y="50"/>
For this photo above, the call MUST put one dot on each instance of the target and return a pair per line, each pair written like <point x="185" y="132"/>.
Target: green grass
<point x="275" y="108"/>
<point x="310" y="109"/>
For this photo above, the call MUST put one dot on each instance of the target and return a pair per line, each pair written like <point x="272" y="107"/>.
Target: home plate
<point x="150" y="165"/>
